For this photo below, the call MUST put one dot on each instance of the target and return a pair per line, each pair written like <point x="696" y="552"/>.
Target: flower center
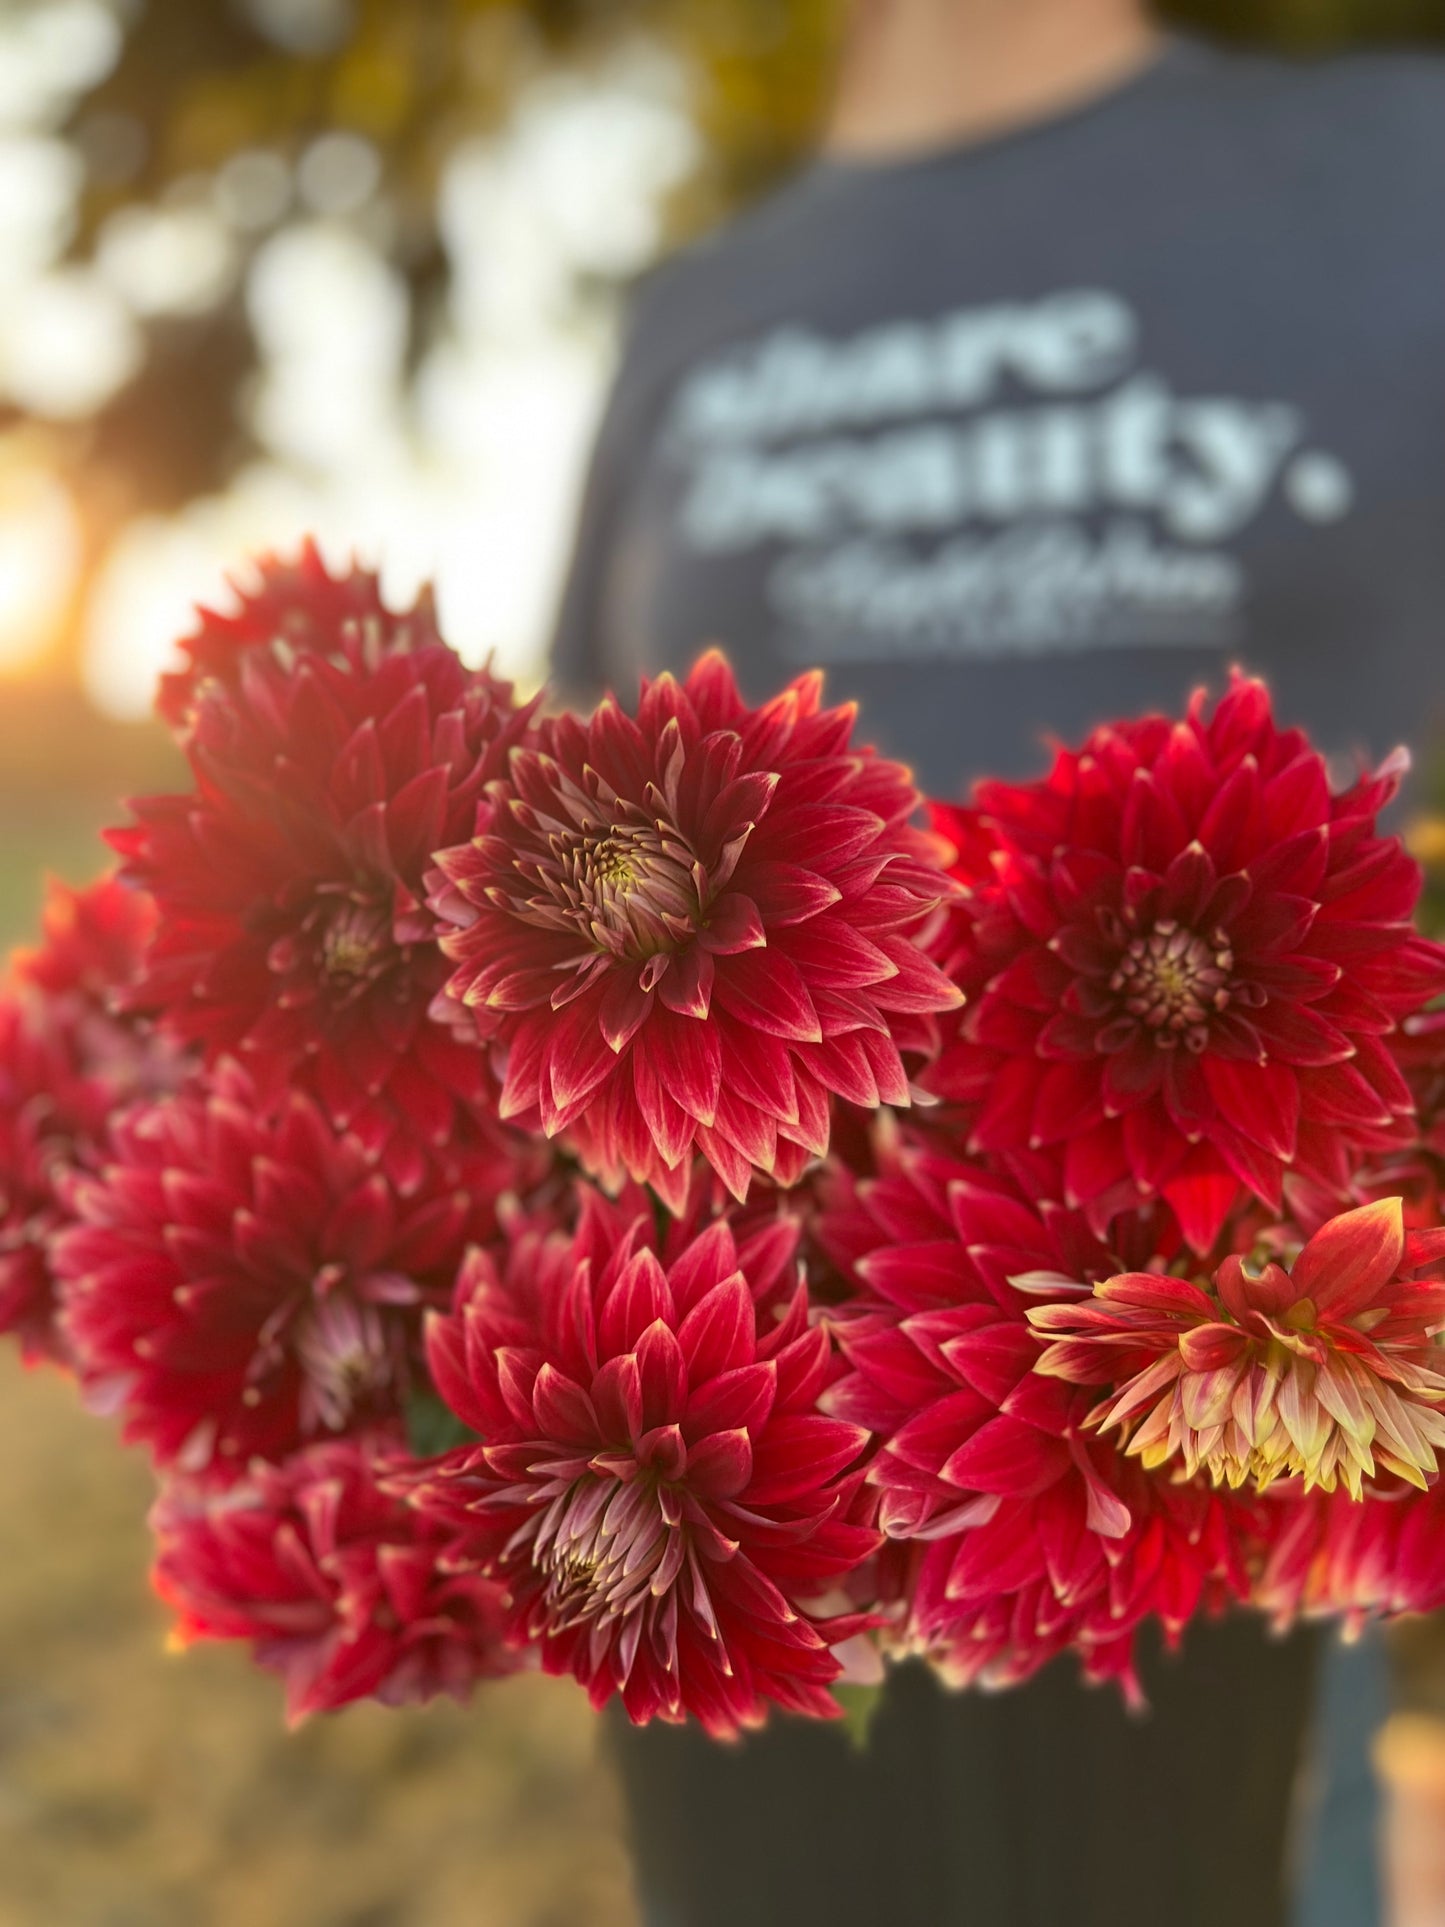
<point x="355" y="941"/>
<point x="345" y="1355"/>
<point x="1171" y="980"/>
<point x="599" y="1549"/>
<point x="631" y="889"/>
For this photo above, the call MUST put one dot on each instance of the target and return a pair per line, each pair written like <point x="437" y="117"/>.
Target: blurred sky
<point x="465" y="471"/>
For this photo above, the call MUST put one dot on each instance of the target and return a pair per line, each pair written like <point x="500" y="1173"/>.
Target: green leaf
<point x="432" y="1427"/>
<point x="860" y="1707"/>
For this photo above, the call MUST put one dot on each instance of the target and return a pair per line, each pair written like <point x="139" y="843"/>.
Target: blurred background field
<point x="139" y="1788"/>
<point x="351" y="266"/>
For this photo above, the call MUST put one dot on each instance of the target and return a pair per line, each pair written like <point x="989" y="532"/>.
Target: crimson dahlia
<point x="328" y="766"/>
<point x="337" y="1586"/>
<point x="48" y="1110"/>
<point x="1338" y="1558"/>
<point x="1030" y="1534"/>
<point x="291" y="609"/>
<point x="241" y="1280"/>
<point x="693" y="928"/>
<point x="657" y="1492"/>
<point x="68" y="1063"/>
<point x="1183" y="956"/>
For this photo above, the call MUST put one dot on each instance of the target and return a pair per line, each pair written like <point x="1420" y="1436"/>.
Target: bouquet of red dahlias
<point x="620" y="1194"/>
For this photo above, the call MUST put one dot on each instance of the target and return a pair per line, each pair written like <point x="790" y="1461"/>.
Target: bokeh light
<point x="39" y="555"/>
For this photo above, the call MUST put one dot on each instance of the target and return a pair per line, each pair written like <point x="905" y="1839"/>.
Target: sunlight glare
<point x="39" y="556"/>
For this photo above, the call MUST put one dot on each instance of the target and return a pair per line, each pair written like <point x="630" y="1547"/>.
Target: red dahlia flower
<point x="337" y="1586"/>
<point x="91" y="940"/>
<point x="1032" y="1533"/>
<point x="1183" y="957"/>
<point x="294" y="609"/>
<point x="1315" y="1372"/>
<point x="1415" y="1171"/>
<point x="695" y="928"/>
<point x="240" y="1281"/>
<point x="657" y="1492"/>
<point x="49" y="1110"/>
<point x="1341" y="1559"/>
<point x="288" y="882"/>
<point x="68" y="1062"/>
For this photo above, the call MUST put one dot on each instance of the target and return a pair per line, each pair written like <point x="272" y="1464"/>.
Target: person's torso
<point x="1060" y="425"/>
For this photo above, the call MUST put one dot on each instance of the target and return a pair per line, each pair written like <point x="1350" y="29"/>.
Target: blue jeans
<point x="1339" y="1871"/>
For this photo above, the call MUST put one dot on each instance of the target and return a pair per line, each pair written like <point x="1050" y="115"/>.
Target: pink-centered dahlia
<point x="337" y="1586"/>
<point x="657" y="1492"/>
<point x="68" y="1064"/>
<point x="327" y="768"/>
<point x="1318" y="1370"/>
<point x="694" y="927"/>
<point x="1184" y="957"/>
<point x="242" y="1279"/>
<point x="1030" y="1534"/>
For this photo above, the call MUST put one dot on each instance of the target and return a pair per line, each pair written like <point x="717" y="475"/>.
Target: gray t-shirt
<point x="1054" y="425"/>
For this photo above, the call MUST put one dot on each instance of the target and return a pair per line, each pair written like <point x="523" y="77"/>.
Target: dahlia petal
<point x="1008" y="1457"/>
<point x="663" y="1374"/>
<point x="1338" y="1094"/>
<point x="721" y="1465"/>
<point x="1275" y="923"/>
<point x="1226" y="821"/>
<point x="800" y="1452"/>
<point x="1134" y="1068"/>
<point x="916" y="985"/>
<point x="1209" y="1347"/>
<point x="1008" y="1114"/>
<point x="993" y="1359"/>
<point x="1154" y="831"/>
<point x="670" y="1126"/>
<point x="994" y="1559"/>
<point x="1146" y="1291"/>
<point x="829" y="949"/>
<point x="525" y="1059"/>
<point x="735" y="1400"/>
<point x="1262" y="1100"/>
<point x="769" y="994"/>
<point x="1298" y="862"/>
<point x="841" y="829"/>
<point x="917" y="1274"/>
<point x="578" y="1058"/>
<point x="842" y="1064"/>
<point x="1251" y="1164"/>
<point x="562" y="1408"/>
<point x="640" y="1298"/>
<point x="685" y="1055"/>
<point x="617" y="1396"/>
<point x="687" y="987"/>
<point x="1350" y="1258"/>
<point x="717" y="1334"/>
<point x="625" y="1008"/>
<point x="1202" y="1200"/>
<point x="785" y="893"/>
<point x="1298" y="1035"/>
<point x="733" y="924"/>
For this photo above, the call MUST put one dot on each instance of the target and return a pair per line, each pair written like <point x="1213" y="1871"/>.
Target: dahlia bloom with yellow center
<point x="1326" y="1371"/>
